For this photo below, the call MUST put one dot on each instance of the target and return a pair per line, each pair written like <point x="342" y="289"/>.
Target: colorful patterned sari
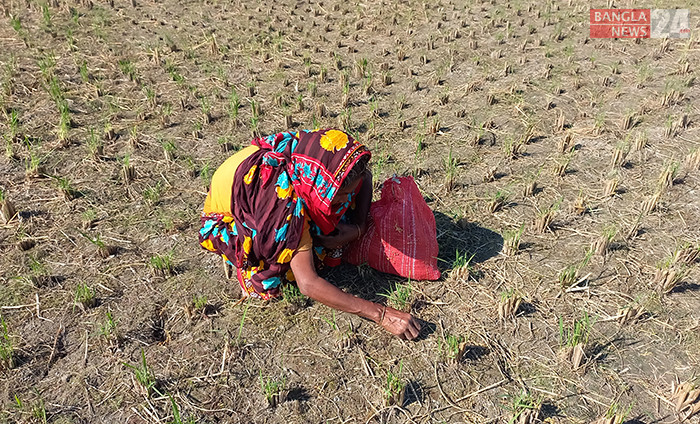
<point x="292" y="176"/>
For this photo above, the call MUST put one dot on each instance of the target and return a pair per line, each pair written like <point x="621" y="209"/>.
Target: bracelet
<point x="381" y="318"/>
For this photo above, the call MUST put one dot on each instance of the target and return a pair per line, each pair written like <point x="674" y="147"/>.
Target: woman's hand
<point x="310" y="284"/>
<point x="400" y="324"/>
<point x="346" y="234"/>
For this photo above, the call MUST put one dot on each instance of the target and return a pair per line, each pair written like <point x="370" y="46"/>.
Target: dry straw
<point x="686" y="398"/>
<point x="509" y="304"/>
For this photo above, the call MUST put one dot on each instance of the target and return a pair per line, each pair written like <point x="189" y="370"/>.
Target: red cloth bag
<point x="401" y="238"/>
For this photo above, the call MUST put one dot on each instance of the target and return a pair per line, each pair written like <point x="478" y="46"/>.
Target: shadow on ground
<point x="454" y="240"/>
<point x="465" y="237"/>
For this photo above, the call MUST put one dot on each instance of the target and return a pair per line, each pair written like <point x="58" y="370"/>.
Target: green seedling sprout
<point x="461" y="266"/>
<point x="452" y="347"/>
<point x="177" y="419"/>
<point x="162" y="265"/>
<point x="394" y="387"/>
<point x="291" y="293"/>
<point x="272" y="389"/>
<point x="450" y="166"/>
<point x="84" y="296"/>
<point x="577" y="334"/>
<point x="144" y="376"/>
<point x="109" y="327"/>
<point x="240" y="327"/>
<point x="511" y="240"/>
<point x="399" y="296"/>
<point x="331" y="322"/>
<point x="199" y="302"/>
<point x="524" y="404"/>
<point x="569" y="276"/>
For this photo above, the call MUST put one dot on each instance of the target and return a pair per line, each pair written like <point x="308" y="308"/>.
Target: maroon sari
<point x="292" y="176"/>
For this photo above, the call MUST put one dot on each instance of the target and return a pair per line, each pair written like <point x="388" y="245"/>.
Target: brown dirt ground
<point x="489" y="76"/>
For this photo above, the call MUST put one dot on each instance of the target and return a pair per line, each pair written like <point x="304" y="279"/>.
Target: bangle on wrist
<point x="381" y="318"/>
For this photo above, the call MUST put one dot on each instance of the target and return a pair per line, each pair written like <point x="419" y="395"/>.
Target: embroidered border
<point x="350" y="158"/>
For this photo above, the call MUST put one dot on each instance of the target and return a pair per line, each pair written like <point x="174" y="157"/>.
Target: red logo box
<point x="620" y="23"/>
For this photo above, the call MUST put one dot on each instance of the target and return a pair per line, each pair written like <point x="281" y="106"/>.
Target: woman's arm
<point x="310" y="284"/>
<point x="349" y="232"/>
<point x="363" y="202"/>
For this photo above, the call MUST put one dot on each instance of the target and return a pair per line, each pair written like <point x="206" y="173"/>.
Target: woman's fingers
<point x="401" y="324"/>
<point x="413" y="329"/>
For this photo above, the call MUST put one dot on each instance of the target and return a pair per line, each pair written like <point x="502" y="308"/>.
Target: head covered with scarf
<point x="292" y="174"/>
